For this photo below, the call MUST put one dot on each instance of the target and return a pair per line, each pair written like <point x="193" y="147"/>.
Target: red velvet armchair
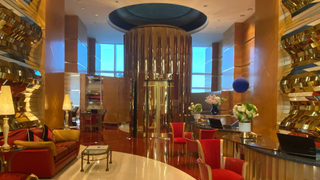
<point x="213" y="165"/>
<point x="207" y="134"/>
<point x="177" y="135"/>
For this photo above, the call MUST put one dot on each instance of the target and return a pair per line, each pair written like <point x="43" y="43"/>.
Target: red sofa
<point x="40" y="162"/>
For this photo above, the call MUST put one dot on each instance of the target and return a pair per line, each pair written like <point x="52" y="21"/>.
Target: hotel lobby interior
<point x="159" y="90"/>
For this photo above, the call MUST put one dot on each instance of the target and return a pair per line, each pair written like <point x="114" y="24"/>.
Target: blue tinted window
<point x="107" y="57"/>
<point x="201" y="69"/>
<point x="198" y="59"/>
<point x="198" y="80"/>
<point x="198" y="90"/>
<point x="107" y="74"/>
<point x="119" y="57"/>
<point x="119" y="75"/>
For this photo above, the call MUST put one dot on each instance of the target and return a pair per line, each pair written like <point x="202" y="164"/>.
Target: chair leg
<point x="186" y="157"/>
<point x="172" y="149"/>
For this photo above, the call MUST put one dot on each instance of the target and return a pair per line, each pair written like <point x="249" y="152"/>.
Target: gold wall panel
<point x="53" y="61"/>
<point x="116" y="99"/>
<point x="265" y="67"/>
<point x="76" y="45"/>
<point x="159" y="52"/>
<point x="216" y="67"/>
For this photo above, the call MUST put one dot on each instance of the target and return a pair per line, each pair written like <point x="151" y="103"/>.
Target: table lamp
<point x="6" y="108"/>
<point x="66" y="107"/>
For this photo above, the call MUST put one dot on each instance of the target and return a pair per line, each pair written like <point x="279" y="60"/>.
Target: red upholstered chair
<point x="177" y="135"/>
<point x="191" y="145"/>
<point x="87" y="120"/>
<point x="212" y="164"/>
<point x="207" y="134"/>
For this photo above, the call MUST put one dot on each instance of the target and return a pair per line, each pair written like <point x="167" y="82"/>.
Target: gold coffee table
<point x="96" y="150"/>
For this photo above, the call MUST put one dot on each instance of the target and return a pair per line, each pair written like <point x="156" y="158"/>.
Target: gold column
<point x="160" y="52"/>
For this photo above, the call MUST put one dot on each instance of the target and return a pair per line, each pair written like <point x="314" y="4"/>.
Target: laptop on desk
<point x="297" y="145"/>
<point x="215" y="123"/>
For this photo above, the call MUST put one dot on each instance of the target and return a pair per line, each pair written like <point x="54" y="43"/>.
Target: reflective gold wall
<point x="158" y="52"/>
<point x="299" y="80"/>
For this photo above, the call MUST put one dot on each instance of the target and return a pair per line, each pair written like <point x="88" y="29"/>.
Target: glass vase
<point x="214" y="110"/>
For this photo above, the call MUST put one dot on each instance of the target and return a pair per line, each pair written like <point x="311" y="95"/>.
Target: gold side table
<point x="14" y="150"/>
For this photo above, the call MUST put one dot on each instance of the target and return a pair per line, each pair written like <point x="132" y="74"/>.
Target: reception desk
<point x="267" y="162"/>
<point x="204" y="124"/>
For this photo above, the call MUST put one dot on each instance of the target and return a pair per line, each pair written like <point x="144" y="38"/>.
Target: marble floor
<point x="124" y="166"/>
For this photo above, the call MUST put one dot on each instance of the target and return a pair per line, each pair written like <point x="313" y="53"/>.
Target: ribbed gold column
<point x="160" y="52"/>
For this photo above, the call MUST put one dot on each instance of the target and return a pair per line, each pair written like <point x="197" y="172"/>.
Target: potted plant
<point x="245" y="113"/>
<point x="195" y="110"/>
<point x="215" y="101"/>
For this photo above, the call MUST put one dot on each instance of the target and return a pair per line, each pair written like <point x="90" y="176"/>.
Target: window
<point x="112" y="60"/>
<point x="201" y="69"/>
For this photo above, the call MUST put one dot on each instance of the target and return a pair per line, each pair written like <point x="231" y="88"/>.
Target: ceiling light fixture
<point x="242" y="15"/>
<point x="116" y="1"/>
<point x="78" y="1"/>
<point x="250" y="9"/>
<point x="82" y="7"/>
<point x="205" y="5"/>
<point x="96" y="15"/>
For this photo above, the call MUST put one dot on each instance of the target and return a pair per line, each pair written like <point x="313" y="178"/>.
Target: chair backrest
<point x="211" y="152"/>
<point x="74" y="111"/>
<point x="85" y="116"/>
<point x="207" y="134"/>
<point x="205" y="170"/>
<point x="192" y="145"/>
<point x="236" y="165"/>
<point x="177" y="129"/>
<point x="188" y="135"/>
<point x="93" y="118"/>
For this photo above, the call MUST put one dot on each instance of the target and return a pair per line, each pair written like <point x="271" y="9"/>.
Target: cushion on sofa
<point x="48" y="134"/>
<point x="33" y="137"/>
<point x="66" y="135"/>
<point x="71" y="145"/>
<point x="37" y="131"/>
<point x="37" y="145"/>
<point x="61" y="152"/>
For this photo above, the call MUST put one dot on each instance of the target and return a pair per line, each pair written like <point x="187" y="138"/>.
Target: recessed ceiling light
<point x="250" y="9"/>
<point x="78" y="1"/>
<point x="116" y="1"/>
<point x="242" y="15"/>
<point x="82" y="7"/>
<point x="205" y="5"/>
<point x="96" y="15"/>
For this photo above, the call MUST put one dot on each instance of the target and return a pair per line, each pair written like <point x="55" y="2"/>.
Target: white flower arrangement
<point x="215" y="100"/>
<point x="245" y="111"/>
<point x="196" y="109"/>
